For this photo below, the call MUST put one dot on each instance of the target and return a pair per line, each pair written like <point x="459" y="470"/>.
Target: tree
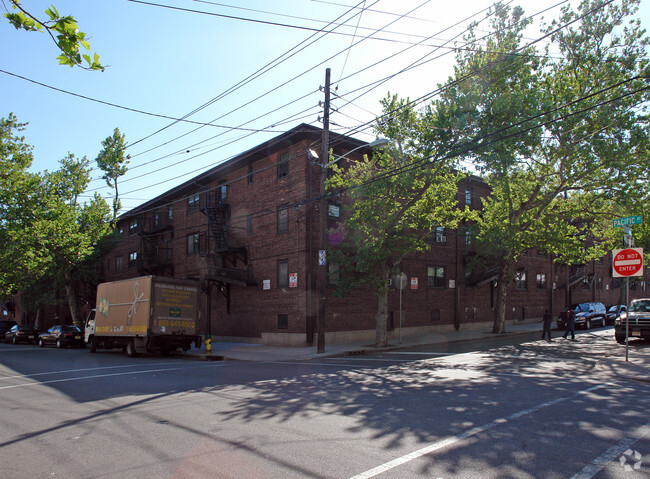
<point x="64" y="32"/>
<point x="19" y="205"/>
<point x="68" y="231"/>
<point x="112" y="162"/>
<point x="392" y="201"/>
<point x="555" y="132"/>
<point x="47" y="235"/>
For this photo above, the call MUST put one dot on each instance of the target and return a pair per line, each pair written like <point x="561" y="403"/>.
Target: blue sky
<point x="169" y="62"/>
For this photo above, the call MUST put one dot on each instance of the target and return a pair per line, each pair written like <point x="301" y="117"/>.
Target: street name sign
<point x="627" y="262"/>
<point x="630" y="220"/>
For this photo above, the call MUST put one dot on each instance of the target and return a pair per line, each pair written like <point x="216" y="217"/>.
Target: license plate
<point x="77" y="337"/>
<point x="636" y="333"/>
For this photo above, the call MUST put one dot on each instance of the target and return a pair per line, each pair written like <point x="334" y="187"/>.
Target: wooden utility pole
<point x="322" y="207"/>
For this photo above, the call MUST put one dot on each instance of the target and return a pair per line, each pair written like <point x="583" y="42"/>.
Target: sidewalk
<point x="262" y="352"/>
<point x="636" y="368"/>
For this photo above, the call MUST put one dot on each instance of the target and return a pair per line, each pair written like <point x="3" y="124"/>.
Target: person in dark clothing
<point x="570" y="325"/>
<point x="547" y="319"/>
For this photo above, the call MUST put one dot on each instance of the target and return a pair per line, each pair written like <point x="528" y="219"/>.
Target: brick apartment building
<point x="248" y="231"/>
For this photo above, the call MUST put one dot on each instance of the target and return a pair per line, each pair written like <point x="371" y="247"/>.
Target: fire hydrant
<point x="208" y="345"/>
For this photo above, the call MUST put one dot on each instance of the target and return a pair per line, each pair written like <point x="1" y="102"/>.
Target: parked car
<point x="614" y="312"/>
<point x="5" y="325"/>
<point x="62" y="335"/>
<point x="21" y="333"/>
<point x="638" y="317"/>
<point x="587" y="315"/>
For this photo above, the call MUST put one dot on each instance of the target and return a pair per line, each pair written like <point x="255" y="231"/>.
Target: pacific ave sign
<point x="627" y="262"/>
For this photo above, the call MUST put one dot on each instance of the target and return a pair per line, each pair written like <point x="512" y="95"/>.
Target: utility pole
<point x="322" y="207"/>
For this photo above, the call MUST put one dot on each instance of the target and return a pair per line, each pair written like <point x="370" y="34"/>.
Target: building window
<point x="168" y="247"/>
<point x="283" y="273"/>
<point x="170" y="214"/>
<point x="520" y="280"/>
<point x="283" y="219"/>
<point x="193" y="243"/>
<point x="222" y="191"/>
<point x="250" y="224"/>
<point x="156" y="219"/>
<point x="435" y="315"/>
<point x="541" y="281"/>
<point x="133" y="259"/>
<point x="250" y="175"/>
<point x="439" y="235"/>
<point x="119" y="264"/>
<point x="436" y="276"/>
<point x="468" y="198"/>
<point x="599" y="284"/>
<point x="194" y="202"/>
<point x="468" y="237"/>
<point x="283" y="321"/>
<point x="333" y="273"/>
<point x="133" y="226"/>
<point x="283" y="164"/>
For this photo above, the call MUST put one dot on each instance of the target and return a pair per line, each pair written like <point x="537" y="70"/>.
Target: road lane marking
<point x="95" y="376"/>
<point x="82" y="369"/>
<point x="464" y="435"/>
<point x="612" y="453"/>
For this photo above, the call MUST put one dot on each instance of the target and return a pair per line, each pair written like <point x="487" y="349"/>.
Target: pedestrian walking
<point x="570" y="325"/>
<point x="547" y="319"/>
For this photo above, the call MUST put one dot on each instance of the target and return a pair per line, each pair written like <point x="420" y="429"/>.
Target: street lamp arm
<point x="373" y="144"/>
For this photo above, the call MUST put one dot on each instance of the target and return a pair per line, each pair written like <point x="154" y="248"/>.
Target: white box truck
<point x="145" y="314"/>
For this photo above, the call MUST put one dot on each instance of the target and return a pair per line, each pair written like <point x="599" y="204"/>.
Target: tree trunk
<point x="382" y="318"/>
<point x="502" y="295"/>
<point x="72" y="298"/>
<point x="39" y="315"/>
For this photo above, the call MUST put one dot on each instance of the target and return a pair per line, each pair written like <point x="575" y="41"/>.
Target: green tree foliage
<point x="112" y="161"/>
<point x="392" y="201"/>
<point x="64" y="32"/>
<point x="559" y="134"/>
<point x="46" y="233"/>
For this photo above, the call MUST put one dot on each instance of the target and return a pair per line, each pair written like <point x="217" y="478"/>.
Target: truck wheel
<point x="130" y="350"/>
<point x="93" y="345"/>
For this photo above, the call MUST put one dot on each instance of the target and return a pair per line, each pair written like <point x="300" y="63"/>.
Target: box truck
<point x="145" y="314"/>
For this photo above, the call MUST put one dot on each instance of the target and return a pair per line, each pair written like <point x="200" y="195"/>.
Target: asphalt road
<point x="513" y="409"/>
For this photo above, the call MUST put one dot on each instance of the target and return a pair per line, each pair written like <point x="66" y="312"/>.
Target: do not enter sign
<point x="627" y="262"/>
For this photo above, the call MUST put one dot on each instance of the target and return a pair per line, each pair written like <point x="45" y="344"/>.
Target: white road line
<point x="612" y="453"/>
<point x="464" y="435"/>
<point x="83" y="369"/>
<point x="39" y="383"/>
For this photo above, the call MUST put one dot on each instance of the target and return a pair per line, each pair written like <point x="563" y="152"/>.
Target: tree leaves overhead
<point x="64" y="32"/>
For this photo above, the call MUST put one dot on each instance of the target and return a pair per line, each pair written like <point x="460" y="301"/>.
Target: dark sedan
<point x="21" y="333"/>
<point x="62" y="336"/>
<point x="5" y="325"/>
